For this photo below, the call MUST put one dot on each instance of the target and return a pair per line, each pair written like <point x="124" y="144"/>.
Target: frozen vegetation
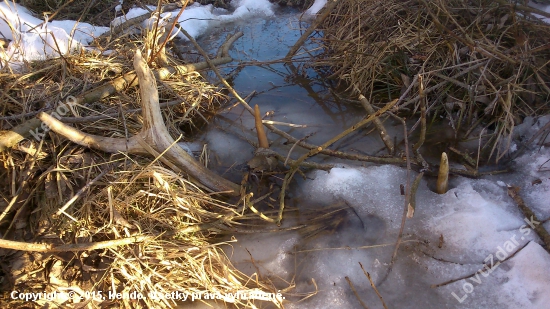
<point x="468" y="248"/>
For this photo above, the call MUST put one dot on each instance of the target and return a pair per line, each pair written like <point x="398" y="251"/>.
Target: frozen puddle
<point x="468" y="248"/>
<point x="455" y="241"/>
<point x="457" y="251"/>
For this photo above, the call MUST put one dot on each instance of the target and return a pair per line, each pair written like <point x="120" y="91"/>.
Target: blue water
<point x="294" y="94"/>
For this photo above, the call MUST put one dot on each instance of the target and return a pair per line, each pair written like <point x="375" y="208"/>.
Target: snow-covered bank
<point x="35" y="39"/>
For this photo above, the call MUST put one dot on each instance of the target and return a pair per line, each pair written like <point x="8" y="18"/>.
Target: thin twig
<point x="530" y="216"/>
<point x="377" y="123"/>
<point x="328" y="9"/>
<point x="80" y="192"/>
<point x="315" y="151"/>
<point x="373" y="286"/>
<point x="489" y="268"/>
<point x="414" y="188"/>
<point x="23" y="246"/>
<point x="407" y="201"/>
<point x="355" y="293"/>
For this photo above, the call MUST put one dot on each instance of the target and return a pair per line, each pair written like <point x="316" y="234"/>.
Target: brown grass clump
<point x="99" y="13"/>
<point x="484" y="63"/>
<point x="70" y="207"/>
<point x="139" y="200"/>
<point x="96" y="12"/>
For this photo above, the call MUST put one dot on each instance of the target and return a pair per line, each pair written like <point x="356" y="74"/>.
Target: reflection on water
<point x="290" y="94"/>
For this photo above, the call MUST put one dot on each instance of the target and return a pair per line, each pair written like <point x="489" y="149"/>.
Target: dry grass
<point x="149" y="200"/>
<point x="483" y="64"/>
<point x="138" y="196"/>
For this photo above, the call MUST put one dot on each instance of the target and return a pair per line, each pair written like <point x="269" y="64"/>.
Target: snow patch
<point x="316" y="7"/>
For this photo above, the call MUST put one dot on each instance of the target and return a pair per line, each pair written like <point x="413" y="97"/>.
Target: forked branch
<point x="153" y="133"/>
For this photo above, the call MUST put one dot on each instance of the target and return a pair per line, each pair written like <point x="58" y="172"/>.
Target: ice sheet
<point x="473" y="240"/>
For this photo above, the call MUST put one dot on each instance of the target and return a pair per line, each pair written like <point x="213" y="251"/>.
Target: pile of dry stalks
<point x="89" y="224"/>
<point x="482" y="64"/>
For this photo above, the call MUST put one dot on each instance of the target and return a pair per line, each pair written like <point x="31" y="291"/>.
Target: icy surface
<point x="472" y="241"/>
<point x="228" y="149"/>
<point x="542" y="7"/>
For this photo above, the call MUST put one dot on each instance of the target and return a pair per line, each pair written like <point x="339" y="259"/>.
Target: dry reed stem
<point x="262" y="137"/>
<point x="49" y="248"/>
<point x="467" y="53"/>
<point x="139" y="200"/>
<point x="373" y="286"/>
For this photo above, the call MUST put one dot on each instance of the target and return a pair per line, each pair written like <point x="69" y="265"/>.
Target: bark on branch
<point x="154" y="133"/>
<point x="12" y="137"/>
<point x="50" y="248"/>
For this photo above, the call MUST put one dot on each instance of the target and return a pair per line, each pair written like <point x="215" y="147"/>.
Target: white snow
<point x="196" y="19"/>
<point x="480" y="225"/>
<point x="118" y="8"/>
<point x="34" y="39"/>
<point x="248" y="8"/>
<point x="33" y="43"/>
<point x="316" y="7"/>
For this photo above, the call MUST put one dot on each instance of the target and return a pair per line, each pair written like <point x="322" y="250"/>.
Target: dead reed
<point x="484" y="63"/>
<point x="59" y="198"/>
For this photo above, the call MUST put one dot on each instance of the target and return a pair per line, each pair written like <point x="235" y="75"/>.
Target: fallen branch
<point x="513" y="192"/>
<point x="335" y="153"/>
<point x="14" y="136"/>
<point x="153" y="132"/>
<point x="23" y="246"/>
